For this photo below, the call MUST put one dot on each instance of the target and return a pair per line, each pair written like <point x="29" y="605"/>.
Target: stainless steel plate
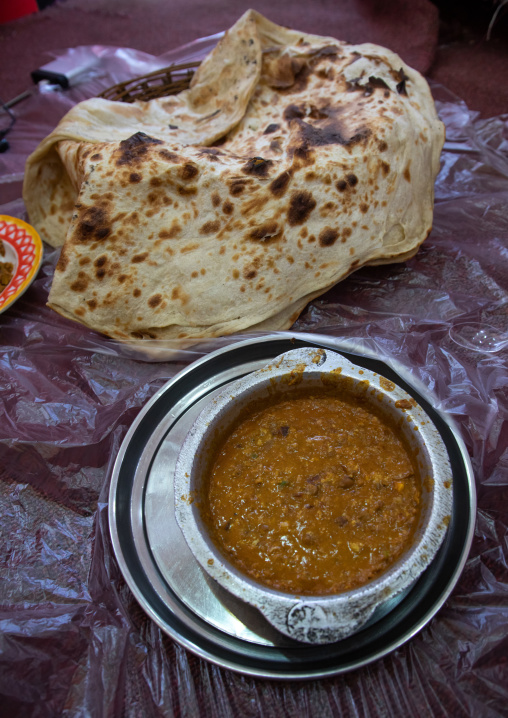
<point x="191" y="608"/>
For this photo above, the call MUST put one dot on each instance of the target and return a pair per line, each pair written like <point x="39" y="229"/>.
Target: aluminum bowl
<point x="314" y="619"/>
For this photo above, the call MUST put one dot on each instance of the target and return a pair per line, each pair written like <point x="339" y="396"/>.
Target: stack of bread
<point x="291" y="161"/>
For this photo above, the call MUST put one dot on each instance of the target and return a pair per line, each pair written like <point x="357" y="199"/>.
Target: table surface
<point x="74" y="640"/>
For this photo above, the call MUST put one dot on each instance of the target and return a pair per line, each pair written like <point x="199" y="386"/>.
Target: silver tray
<point x="190" y="607"/>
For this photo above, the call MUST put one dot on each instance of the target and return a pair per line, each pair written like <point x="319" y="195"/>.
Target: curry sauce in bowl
<point x="315" y="494"/>
<point x="314" y="490"/>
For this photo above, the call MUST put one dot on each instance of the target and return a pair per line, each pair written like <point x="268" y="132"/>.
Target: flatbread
<point x="291" y="161"/>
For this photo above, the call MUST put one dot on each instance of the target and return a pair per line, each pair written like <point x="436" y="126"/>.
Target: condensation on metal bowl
<point x="315" y="619"/>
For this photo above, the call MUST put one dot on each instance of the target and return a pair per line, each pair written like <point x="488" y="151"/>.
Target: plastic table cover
<point x="73" y="641"/>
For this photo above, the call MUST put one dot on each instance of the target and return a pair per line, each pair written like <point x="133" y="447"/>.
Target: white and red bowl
<point x="23" y="248"/>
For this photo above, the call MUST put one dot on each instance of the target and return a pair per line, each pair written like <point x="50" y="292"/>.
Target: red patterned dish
<point x="23" y="248"/>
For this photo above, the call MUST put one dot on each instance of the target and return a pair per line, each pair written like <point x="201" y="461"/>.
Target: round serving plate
<point x="23" y="249"/>
<point x="189" y="606"/>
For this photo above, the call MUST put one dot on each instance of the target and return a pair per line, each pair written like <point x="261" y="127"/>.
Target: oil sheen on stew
<point x="313" y="495"/>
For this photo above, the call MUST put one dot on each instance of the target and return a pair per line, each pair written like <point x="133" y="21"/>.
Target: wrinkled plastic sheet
<point x="73" y="641"/>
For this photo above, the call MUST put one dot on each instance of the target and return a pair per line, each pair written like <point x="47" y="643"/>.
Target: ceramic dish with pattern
<point x="22" y="254"/>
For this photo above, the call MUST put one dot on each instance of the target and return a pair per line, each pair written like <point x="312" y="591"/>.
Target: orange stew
<point x="6" y="269"/>
<point x="313" y="495"/>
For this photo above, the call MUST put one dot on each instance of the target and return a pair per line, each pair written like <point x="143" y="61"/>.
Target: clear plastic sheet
<point x="73" y="641"/>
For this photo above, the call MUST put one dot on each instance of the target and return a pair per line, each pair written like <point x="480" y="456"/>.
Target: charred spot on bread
<point x="188" y="171"/>
<point x="328" y="237"/>
<point x="93" y="225"/>
<point x="257" y="166"/>
<point x="301" y="205"/>
<point x="154" y="300"/>
<point x="279" y="185"/>
<point x="135" y="148"/>
<point x="210" y="227"/>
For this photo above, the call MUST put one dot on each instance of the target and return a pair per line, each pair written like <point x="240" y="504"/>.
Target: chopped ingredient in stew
<point x="6" y="269"/>
<point x="314" y="495"/>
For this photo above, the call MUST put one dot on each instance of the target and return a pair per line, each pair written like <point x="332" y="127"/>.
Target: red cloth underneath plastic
<point x="12" y="9"/>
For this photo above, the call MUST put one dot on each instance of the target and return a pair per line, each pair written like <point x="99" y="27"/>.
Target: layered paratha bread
<point x="291" y="161"/>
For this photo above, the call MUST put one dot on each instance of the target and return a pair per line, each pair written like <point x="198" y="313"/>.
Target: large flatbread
<point x="291" y="161"/>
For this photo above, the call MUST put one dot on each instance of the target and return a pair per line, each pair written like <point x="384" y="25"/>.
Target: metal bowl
<point x="314" y="619"/>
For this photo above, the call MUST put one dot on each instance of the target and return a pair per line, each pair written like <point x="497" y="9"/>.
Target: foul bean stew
<point x="315" y="494"/>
